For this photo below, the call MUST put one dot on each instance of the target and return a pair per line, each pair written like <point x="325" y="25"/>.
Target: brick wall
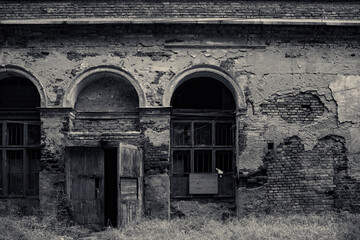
<point x="108" y="104"/>
<point x="107" y="94"/>
<point x="316" y="180"/>
<point x="99" y="125"/>
<point x="55" y="126"/>
<point x="302" y="108"/>
<point x="181" y="9"/>
<point x="155" y="125"/>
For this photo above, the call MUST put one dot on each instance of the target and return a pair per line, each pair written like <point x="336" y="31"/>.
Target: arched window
<point x="20" y="138"/>
<point x="202" y="139"/>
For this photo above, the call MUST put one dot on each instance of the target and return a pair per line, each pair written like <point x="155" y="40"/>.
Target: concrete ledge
<point x="257" y="21"/>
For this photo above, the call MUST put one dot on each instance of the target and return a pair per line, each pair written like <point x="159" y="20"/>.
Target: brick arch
<point x="205" y="71"/>
<point x="93" y="74"/>
<point x="15" y="71"/>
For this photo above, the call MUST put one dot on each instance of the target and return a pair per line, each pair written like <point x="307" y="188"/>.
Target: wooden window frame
<point x="24" y="147"/>
<point x="192" y="147"/>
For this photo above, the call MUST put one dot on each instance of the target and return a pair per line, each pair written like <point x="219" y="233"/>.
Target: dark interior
<point x="111" y="187"/>
<point x="18" y="92"/>
<point x="203" y="93"/>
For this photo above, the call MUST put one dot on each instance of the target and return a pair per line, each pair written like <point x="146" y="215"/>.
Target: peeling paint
<point x="346" y="92"/>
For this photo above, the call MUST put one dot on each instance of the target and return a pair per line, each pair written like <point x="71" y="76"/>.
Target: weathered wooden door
<point x="130" y="183"/>
<point x="86" y="184"/>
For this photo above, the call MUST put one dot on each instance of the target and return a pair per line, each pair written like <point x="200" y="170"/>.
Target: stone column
<point x="55" y="126"/>
<point x="155" y="126"/>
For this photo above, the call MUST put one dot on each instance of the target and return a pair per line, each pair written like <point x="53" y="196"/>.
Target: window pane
<point x="224" y="134"/>
<point x="15" y="161"/>
<point x="224" y="160"/>
<point x="202" y="161"/>
<point x="202" y="133"/>
<point x="181" y="161"/>
<point x="1" y="134"/>
<point x="16" y="176"/>
<point x="33" y="172"/>
<point x="33" y="134"/>
<point x="1" y="175"/>
<point x="180" y="186"/>
<point x="15" y="184"/>
<point x="226" y="185"/>
<point x="182" y="134"/>
<point x="15" y="134"/>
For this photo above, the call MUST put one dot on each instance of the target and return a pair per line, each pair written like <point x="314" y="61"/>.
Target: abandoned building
<point x="112" y="110"/>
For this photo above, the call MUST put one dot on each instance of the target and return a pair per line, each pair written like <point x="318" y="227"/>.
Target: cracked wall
<point x="298" y="81"/>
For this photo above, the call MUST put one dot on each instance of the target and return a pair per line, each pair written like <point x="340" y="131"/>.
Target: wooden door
<point x="130" y="182"/>
<point x="86" y="184"/>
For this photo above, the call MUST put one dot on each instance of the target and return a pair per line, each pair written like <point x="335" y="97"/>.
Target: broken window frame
<point x="213" y="147"/>
<point x="25" y="148"/>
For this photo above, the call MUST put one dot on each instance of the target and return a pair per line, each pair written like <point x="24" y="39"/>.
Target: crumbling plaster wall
<point x="266" y="62"/>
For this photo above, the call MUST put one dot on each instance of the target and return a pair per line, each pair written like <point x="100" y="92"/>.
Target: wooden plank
<point x="86" y="167"/>
<point x="129" y="189"/>
<point x="130" y="163"/>
<point x="130" y="160"/>
<point x="203" y="183"/>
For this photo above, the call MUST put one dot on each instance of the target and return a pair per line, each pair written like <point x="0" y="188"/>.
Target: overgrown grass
<point x="327" y="226"/>
<point x="38" y="228"/>
<point x="324" y="226"/>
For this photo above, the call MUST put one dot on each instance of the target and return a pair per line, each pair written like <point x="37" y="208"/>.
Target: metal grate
<point x="199" y="147"/>
<point x="20" y="158"/>
<point x="1" y="173"/>
<point x="181" y="161"/>
<point x="1" y="134"/>
<point x="33" y="172"/>
<point x="223" y="134"/>
<point x="16" y="172"/>
<point x="224" y="160"/>
<point x="202" y="133"/>
<point x="202" y="161"/>
<point x="33" y="134"/>
<point x="15" y="134"/>
<point x="181" y="134"/>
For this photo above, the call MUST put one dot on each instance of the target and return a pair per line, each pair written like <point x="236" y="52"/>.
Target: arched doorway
<point x="202" y="140"/>
<point x="104" y="172"/>
<point x="19" y="138"/>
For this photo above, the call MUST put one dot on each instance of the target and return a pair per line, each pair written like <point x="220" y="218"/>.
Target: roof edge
<point x="234" y="21"/>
